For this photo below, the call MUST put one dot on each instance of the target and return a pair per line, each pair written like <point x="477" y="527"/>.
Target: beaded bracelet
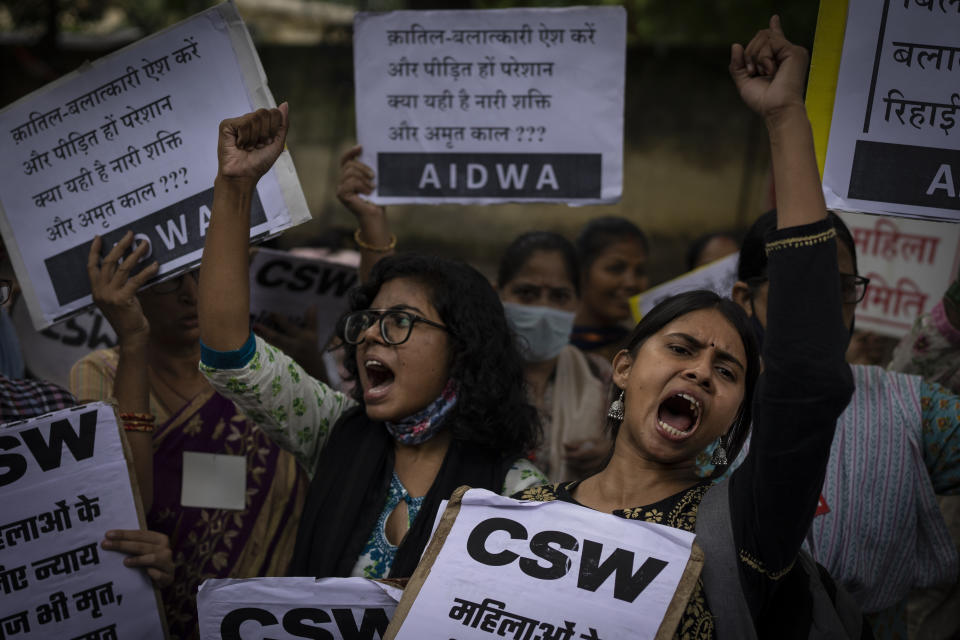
<point x="142" y="422"/>
<point x="369" y="247"/>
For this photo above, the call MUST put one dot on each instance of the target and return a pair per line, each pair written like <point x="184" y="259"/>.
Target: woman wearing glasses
<point x="168" y="408"/>
<point x="878" y="529"/>
<point x="439" y="402"/>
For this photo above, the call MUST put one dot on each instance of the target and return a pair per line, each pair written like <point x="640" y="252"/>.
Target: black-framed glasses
<point x="852" y="287"/>
<point x="173" y="284"/>
<point x="395" y="325"/>
<point x="6" y="289"/>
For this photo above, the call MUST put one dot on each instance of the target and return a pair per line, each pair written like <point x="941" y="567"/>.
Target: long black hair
<point x="525" y="245"/>
<point x="492" y="410"/>
<point x="681" y="304"/>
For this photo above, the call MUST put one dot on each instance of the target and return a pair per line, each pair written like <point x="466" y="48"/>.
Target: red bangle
<point x="138" y="417"/>
<point x="138" y="426"/>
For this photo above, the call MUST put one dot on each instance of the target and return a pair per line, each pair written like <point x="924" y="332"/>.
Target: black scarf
<point x="350" y="489"/>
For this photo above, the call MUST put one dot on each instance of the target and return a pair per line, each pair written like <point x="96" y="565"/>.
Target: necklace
<point x="184" y="398"/>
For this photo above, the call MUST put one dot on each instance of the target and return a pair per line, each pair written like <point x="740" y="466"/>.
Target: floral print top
<point x="298" y="411"/>
<point x="931" y="349"/>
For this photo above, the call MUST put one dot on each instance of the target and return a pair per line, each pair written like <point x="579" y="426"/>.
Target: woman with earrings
<point x="439" y="400"/>
<point x="539" y="284"/>
<point x="168" y="410"/>
<point x="690" y="376"/>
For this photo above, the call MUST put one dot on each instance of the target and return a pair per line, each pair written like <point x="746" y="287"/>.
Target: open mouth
<point x="679" y="416"/>
<point x="379" y="376"/>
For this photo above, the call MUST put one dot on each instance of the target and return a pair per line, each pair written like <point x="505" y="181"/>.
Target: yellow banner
<point x="824" y="69"/>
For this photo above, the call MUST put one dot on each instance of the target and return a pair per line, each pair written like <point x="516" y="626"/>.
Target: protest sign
<point x="894" y="144"/>
<point x="910" y="264"/>
<point x="288" y="608"/>
<point x="288" y="285"/>
<point x="49" y="354"/>
<point x="718" y="276"/>
<point x="492" y="106"/>
<point x="130" y="143"/>
<point x="66" y="481"/>
<point x="500" y="567"/>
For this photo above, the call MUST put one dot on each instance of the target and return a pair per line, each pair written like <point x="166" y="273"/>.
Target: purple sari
<point x="220" y="543"/>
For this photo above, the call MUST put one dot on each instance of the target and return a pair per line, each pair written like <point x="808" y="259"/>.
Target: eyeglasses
<point x="6" y="288"/>
<point x="852" y="287"/>
<point x="395" y="325"/>
<point x="173" y="284"/>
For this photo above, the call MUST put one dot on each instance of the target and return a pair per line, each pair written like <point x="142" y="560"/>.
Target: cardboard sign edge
<point x="138" y="503"/>
<point x="678" y="604"/>
<point x="422" y="571"/>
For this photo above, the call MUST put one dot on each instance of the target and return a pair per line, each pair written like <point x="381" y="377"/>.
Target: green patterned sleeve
<point x="522" y="475"/>
<point x="294" y="409"/>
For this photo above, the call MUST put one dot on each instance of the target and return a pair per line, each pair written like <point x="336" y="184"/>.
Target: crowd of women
<point x="538" y="387"/>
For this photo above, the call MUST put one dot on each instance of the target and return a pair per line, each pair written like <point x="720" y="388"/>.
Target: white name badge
<point x="213" y="481"/>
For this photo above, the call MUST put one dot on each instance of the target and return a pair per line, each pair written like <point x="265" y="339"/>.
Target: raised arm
<point x="246" y="149"/>
<point x="770" y="75"/>
<point x="294" y="409"/>
<point x="115" y="294"/>
<point x="806" y="383"/>
<point x="373" y="233"/>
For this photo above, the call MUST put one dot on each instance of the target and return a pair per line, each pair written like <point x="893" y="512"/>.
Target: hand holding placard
<point x="115" y="290"/>
<point x="373" y="235"/>
<point x="357" y="178"/>
<point x="147" y="549"/>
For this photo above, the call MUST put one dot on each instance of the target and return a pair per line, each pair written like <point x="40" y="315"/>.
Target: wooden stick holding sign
<point x="501" y="567"/>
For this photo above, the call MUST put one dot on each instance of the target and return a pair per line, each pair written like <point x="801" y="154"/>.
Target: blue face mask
<point x="542" y="332"/>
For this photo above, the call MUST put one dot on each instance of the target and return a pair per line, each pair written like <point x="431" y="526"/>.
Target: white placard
<point x="519" y="569"/>
<point x="130" y="143"/>
<point x="290" y="608"/>
<point x="718" y="276"/>
<point x="910" y="264"/>
<point x="49" y="354"/>
<point x="65" y="483"/>
<point x="895" y="134"/>
<point x="289" y="285"/>
<point x="213" y="481"/>
<point x="492" y="106"/>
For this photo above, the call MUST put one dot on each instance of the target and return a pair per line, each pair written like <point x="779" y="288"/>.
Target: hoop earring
<point x="719" y="457"/>
<point x="615" y="412"/>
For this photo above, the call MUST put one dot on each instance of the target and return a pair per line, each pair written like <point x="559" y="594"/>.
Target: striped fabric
<point x="883" y="534"/>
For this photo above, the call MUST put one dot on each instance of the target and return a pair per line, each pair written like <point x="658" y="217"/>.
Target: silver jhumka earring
<point x="616" y="408"/>
<point x="719" y="457"/>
